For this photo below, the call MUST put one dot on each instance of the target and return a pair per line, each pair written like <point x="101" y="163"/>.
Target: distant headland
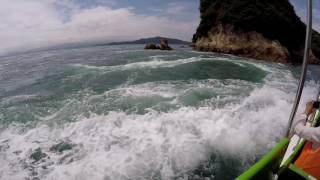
<point x="143" y="41"/>
<point x="150" y="40"/>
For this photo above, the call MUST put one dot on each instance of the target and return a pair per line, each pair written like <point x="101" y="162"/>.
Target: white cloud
<point x="33" y="24"/>
<point x="317" y="19"/>
<point x="178" y="10"/>
<point x="175" y="8"/>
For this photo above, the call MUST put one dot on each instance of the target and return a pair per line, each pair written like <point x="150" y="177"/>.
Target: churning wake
<point x="177" y="116"/>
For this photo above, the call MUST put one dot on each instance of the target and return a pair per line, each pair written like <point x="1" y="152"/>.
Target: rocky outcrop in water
<point x="268" y="30"/>
<point x="164" y="45"/>
<point x="151" y="46"/>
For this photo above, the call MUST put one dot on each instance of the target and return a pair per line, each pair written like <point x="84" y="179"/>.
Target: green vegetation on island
<point x="275" y="20"/>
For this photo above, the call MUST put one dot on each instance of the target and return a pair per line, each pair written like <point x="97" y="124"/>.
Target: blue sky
<point x="148" y="7"/>
<point x="183" y="10"/>
<point x="29" y="24"/>
<point x="187" y="9"/>
<point x="301" y="6"/>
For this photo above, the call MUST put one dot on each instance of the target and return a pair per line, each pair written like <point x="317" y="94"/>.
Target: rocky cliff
<point x="261" y="29"/>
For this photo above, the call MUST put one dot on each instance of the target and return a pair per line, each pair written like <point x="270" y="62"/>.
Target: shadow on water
<point x="218" y="168"/>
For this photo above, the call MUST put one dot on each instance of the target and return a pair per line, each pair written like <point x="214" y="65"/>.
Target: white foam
<point x="156" y="62"/>
<point x="157" y="57"/>
<point x="120" y="146"/>
<point x="143" y="64"/>
<point x="18" y="99"/>
<point x="130" y="146"/>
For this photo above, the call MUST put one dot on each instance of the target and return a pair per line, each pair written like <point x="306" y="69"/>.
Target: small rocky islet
<point x="164" y="45"/>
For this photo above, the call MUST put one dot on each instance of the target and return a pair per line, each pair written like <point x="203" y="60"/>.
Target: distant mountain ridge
<point x="102" y="43"/>
<point x="150" y="40"/>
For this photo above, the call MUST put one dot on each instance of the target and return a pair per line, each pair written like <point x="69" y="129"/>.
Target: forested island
<point x="268" y="30"/>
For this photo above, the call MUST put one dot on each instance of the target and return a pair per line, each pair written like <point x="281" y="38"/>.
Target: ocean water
<point x="122" y="113"/>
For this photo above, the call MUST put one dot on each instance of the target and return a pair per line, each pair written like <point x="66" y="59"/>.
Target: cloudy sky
<point x="30" y="24"/>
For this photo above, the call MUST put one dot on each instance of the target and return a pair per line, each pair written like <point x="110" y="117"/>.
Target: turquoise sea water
<point x="120" y="112"/>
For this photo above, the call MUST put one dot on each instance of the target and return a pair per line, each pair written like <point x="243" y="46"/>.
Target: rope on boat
<point x="304" y="67"/>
